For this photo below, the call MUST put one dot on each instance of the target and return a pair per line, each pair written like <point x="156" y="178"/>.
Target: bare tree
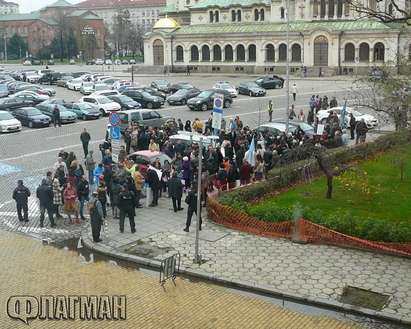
<point x="135" y="39"/>
<point x="385" y="11"/>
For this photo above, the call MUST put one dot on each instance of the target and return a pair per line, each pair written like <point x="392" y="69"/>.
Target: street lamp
<point x="197" y="256"/>
<point x="288" y="67"/>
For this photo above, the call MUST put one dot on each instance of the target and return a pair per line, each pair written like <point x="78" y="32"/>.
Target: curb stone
<point x="328" y="303"/>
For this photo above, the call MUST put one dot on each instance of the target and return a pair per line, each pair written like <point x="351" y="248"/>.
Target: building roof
<point x="96" y="4"/>
<point x="84" y="14"/>
<point x="27" y="17"/>
<point x="229" y="3"/>
<point x="166" y="23"/>
<point x="2" y="2"/>
<point x="360" y="25"/>
<point x="60" y="3"/>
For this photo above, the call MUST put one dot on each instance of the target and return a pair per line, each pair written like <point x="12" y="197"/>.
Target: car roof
<point x="276" y="125"/>
<point x="148" y="153"/>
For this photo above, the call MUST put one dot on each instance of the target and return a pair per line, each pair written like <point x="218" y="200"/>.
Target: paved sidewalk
<point x="316" y="273"/>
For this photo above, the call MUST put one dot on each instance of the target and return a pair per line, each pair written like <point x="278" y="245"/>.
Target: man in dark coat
<point x="154" y="183"/>
<point x="126" y="204"/>
<point x="96" y="216"/>
<point x="83" y="190"/>
<point x="21" y="196"/>
<point x="175" y="190"/>
<point x="45" y="195"/>
<point x="361" y="130"/>
<point x="353" y="123"/>
<point x="191" y="201"/>
<point x="85" y="140"/>
<point x="56" y="117"/>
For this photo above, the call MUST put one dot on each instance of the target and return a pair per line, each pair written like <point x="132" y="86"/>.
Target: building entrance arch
<point x="321" y="51"/>
<point x="158" y="52"/>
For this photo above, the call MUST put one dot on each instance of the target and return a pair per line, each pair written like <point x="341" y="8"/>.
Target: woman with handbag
<point x="71" y="203"/>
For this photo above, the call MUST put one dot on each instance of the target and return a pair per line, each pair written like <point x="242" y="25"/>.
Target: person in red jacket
<point x="245" y="173"/>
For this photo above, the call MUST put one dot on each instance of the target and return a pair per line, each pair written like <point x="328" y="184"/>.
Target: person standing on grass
<point x="85" y="140"/>
<point x="21" y="195"/>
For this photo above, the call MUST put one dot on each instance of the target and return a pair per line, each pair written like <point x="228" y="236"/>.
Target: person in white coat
<point x="294" y="91"/>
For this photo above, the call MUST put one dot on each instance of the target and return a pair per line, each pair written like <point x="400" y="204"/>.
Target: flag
<point x="343" y="115"/>
<point x="250" y="157"/>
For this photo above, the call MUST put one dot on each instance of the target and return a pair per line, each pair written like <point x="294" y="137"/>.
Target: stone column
<point x="276" y="54"/>
<point x="335" y="9"/>
<point x="326" y="10"/>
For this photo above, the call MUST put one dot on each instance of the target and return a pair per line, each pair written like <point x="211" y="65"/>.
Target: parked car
<point x="65" y="115"/>
<point x="99" y="61"/>
<point x="31" y="117"/>
<point x="205" y="100"/>
<point x="117" y="62"/>
<point x="369" y="119"/>
<point x="99" y="77"/>
<point x="153" y="92"/>
<point x="144" y="98"/>
<point x="27" y="63"/>
<point x="188" y="138"/>
<point x="100" y="87"/>
<point x="251" y="89"/>
<point x="146" y="118"/>
<point x="125" y="102"/>
<point x="294" y="124"/>
<point x="62" y="82"/>
<point x="132" y="61"/>
<point x="110" y="81"/>
<point x="11" y="103"/>
<point x="72" y="61"/>
<point x="124" y="62"/>
<point x="32" y="77"/>
<point x="275" y="128"/>
<point x="269" y="82"/>
<point x="78" y="74"/>
<point x="180" y="85"/>
<point x="147" y="157"/>
<point x="4" y="90"/>
<point x="121" y="83"/>
<point x="33" y="93"/>
<point x="84" y="111"/>
<point x="107" y="92"/>
<point x="90" y="62"/>
<point x="74" y="84"/>
<point x="224" y="85"/>
<point x="161" y="85"/>
<point x="50" y="62"/>
<point x="104" y="104"/>
<point x="29" y="97"/>
<point x="109" y="62"/>
<point x="37" y="89"/>
<point x="87" y="88"/>
<point x="8" y="123"/>
<point x="50" y="78"/>
<point x="182" y="96"/>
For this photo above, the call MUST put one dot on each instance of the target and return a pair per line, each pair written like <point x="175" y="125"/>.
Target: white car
<point x="369" y="119"/>
<point x="100" y="86"/>
<point x="132" y="61"/>
<point x="109" y="62"/>
<point x="117" y="62"/>
<point x="8" y="123"/>
<point x="27" y="63"/>
<point x="108" y="92"/>
<point x="87" y="88"/>
<point x="102" y="103"/>
<point x="31" y="93"/>
<point x="99" y="61"/>
<point x="32" y="77"/>
<point x="100" y="78"/>
<point x="110" y="81"/>
<point x="74" y="84"/>
<point x="224" y="85"/>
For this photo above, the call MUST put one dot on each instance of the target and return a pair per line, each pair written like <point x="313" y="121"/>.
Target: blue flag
<point x="343" y="115"/>
<point x="250" y="157"/>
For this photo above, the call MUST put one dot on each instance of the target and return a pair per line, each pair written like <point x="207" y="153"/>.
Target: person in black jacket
<point x="83" y="191"/>
<point x="353" y="123"/>
<point x="175" y="190"/>
<point x="21" y="196"/>
<point x="154" y="182"/>
<point x="191" y="201"/>
<point x="45" y="195"/>
<point x="85" y="140"/>
<point x="56" y="117"/>
<point x="126" y="204"/>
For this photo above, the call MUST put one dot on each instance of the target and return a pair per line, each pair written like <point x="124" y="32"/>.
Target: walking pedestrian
<point x="175" y="191"/>
<point x="90" y="164"/>
<point x="191" y="201"/>
<point x="83" y="191"/>
<point x="56" y="116"/>
<point x="294" y="91"/>
<point x="96" y="217"/>
<point x="270" y="111"/>
<point x="153" y="182"/>
<point x="126" y="204"/>
<point x="70" y="203"/>
<point x="57" y="196"/>
<point x="361" y="130"/>
<point x="21" y="195"/>
<point x="352" y="126"/>
<point x="85" y="140"/>
<point x="45" y="195"/>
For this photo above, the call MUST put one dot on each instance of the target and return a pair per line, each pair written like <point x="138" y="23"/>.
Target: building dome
<point x="166" y="23"/>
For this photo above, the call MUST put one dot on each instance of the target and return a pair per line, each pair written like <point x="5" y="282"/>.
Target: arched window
<point x="252" y="53"/>
<point x="296" y="53"/>
<point x="349" y="53"/>
<point x="217" y="16"/>
<point x="211" y="16"/>
<point x="205" y="53"/>
<point x="228" y="53"/>
<point x="269" y="53"/>
<point x="216" y="53"/>
<point x="379" y="52"/>
<point x="372" y="4"/>
<point x="364" y="52"/>
<point x="194" y="53"/>
<point x="233" y="15"/>
<point x="340" y="8"/>
<point x="240" y="53"/>
<point x="282" y="53"/>
<point x="179" y="54"/>
<point x="256" y="15"/>
<point x="238" y="15"/>
<point x="282" y="12"/>
<point x="262" y="15"/>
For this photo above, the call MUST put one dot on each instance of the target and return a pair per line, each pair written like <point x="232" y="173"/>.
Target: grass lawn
<point x="369" y="201"/>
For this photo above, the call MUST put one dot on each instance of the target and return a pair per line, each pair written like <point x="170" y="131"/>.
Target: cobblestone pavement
<point x="185" y="305"/>
<point x="316" y="271"/>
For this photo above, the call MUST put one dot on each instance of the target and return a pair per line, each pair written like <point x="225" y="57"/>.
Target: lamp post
<point x="197" y="257"/>
<point x="287" y="103"/>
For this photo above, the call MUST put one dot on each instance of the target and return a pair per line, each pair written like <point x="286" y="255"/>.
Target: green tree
<point x="16" y="47"/>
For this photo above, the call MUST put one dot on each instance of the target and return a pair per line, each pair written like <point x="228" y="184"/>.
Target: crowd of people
<point x="238" y="156"/>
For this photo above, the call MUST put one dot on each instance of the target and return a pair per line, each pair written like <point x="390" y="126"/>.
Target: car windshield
<point x="223" y="86"/>
<point x="3" y="88"/>
<point x="33" y="112"/>
<point x="356" y="113"/>
<point x="146" y="94"/>
<point x="85" y="107"/>
<point x="181" y="92"/>
<point x="206" y="93"/>
<point x="6" y="116"/>
<point x="103" y="100"/>
<point x="125" y="99"/>
<point x="252" y="85"/>
<point x="88" y="84"/>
